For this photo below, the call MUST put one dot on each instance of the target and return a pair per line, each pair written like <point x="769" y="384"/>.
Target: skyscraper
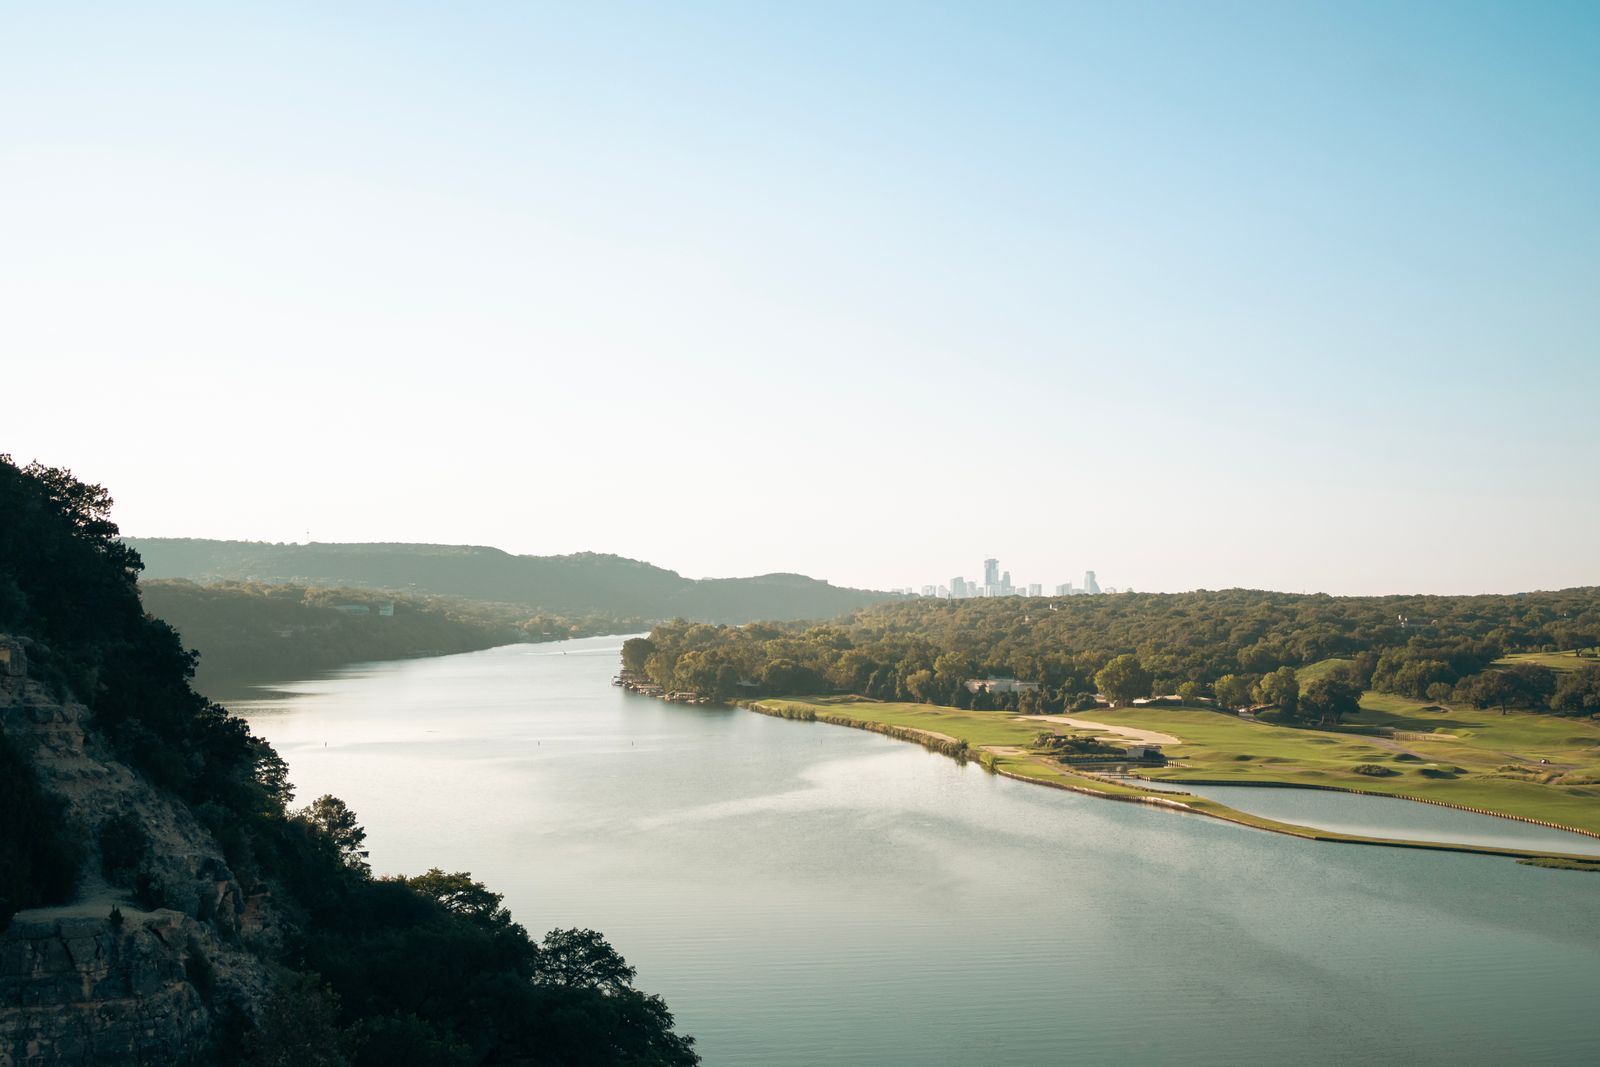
<point x="991" y="572"/>
<point x="1089" y="584"/>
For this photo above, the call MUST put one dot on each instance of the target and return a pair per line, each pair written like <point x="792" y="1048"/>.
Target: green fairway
<point x="1321" y="669"/>
<point x="1463" y="757"/>
<point x="1469" y="758"/>
<point x="1556" y="661"/>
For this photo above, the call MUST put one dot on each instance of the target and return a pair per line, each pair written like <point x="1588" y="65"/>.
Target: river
<point x="804" y="894"/>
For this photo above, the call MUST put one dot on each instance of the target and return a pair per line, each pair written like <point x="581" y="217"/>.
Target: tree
<point x="785" y="677"/>
<point x="1191" y="692"/>
<point x="953" y="668"/>
<point x="333" y="819"/>
<point x="582" y="959"/>
<point x="1330" y="700"/>
<point x="1577" y="691"/>
<point x="921" y="686"/>
<point x="298" y="1026"/>
<point x="461" y="895"/>
<point x="1232" y="691"/>
<point x="636" y="653"/>
<point x="1281" y="687"/>
<point x="1124" y="679"/>
<point x="1489" y="689"/>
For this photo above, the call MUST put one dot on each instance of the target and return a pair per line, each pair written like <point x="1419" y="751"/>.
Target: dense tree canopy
<point x="1124" y="679"/>
<point x="251" y="631"/>
<point x="1240" y="646"/>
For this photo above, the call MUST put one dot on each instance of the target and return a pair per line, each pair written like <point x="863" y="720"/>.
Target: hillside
<point x="247" y="632"/>
<point x="252" y="632"/>
<point x="161" y="901"/>
<point x="576" y="584"/>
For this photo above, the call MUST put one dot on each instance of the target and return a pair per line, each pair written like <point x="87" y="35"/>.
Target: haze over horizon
<point x="1296" y="298"/>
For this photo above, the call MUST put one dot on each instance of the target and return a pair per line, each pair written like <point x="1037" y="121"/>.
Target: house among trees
<point x="996" y="686"/>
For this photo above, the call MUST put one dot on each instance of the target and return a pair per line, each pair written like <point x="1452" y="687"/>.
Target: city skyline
<point x="998" y="583"/>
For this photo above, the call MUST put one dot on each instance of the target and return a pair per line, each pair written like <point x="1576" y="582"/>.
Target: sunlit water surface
<point x="803" y="894"/>
<point x="1386" y="817"/>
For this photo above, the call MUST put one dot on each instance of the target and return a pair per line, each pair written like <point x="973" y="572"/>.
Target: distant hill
<point x="247" y="632"/>
<point x="585" y="582"/>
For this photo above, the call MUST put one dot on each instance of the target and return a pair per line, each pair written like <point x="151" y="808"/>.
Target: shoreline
<point x="1099" y="788"/>
<point x="1371" y="793"/>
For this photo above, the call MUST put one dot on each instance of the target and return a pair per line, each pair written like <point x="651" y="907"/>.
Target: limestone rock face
<point x="78" y="988"/>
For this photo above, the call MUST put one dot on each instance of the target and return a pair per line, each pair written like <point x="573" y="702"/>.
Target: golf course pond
<point x="1394" y="818"/>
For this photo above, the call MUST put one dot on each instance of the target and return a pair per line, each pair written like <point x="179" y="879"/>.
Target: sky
<point x="1301" y="296"/>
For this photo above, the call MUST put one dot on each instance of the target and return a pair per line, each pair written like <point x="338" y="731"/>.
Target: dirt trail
<point x="1149" y="737"/>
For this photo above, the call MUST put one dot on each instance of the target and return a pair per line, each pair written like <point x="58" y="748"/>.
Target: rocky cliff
<point x="148" y="971"/>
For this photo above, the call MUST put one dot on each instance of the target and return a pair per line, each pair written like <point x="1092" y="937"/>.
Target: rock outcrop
<point x="83" y="989"/>
<point x="103" y="979"/>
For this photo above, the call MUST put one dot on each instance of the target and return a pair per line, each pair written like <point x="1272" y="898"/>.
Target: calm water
<point x="804" y="894"/>
<point x="1353" y="813"/>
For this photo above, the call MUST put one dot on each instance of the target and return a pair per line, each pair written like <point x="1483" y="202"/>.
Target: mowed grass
<point x="977" y="728"/>
<point x="1321" y="669"/>
<point x="1556" y="661"/>
<point x="1476" y="759"/>
<point x="1466" y="757"/>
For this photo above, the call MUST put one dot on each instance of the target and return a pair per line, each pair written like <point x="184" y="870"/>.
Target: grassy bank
<point x="1475" y="760"/>
<point x="1575" y="660"/>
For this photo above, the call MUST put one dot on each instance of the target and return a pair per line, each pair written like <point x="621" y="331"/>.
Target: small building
<point x="386" y="609"/>
<point x="1142" y="750"/>
<point x="999" y="685"/>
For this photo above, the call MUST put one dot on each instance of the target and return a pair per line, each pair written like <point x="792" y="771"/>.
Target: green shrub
<point x="197" y="968"/>
<point x="1374" y="770"/>
<point x="40" y="847"/>
<point x="123" y="848"/>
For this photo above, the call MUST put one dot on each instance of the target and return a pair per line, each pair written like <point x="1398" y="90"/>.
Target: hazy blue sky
<point x="1304" y="296"/>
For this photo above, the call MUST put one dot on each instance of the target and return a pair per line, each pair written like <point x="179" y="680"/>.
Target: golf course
<point x="1520" y="765"/>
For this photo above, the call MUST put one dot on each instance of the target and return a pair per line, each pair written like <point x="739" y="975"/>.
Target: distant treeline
<point x="576" y="585"/>
<point x="249" y="631"/>
<point x="1234" y="644"/>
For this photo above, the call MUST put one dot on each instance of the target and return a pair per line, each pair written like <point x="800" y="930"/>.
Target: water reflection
<point x="806" y="894"/>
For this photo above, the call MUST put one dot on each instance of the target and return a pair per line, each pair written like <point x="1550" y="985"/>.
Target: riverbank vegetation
<point x="1466" y="701"/>
<point x="369" y="970"/>
<point x="252" y="631"/>
<point x="1235" y="646"/>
